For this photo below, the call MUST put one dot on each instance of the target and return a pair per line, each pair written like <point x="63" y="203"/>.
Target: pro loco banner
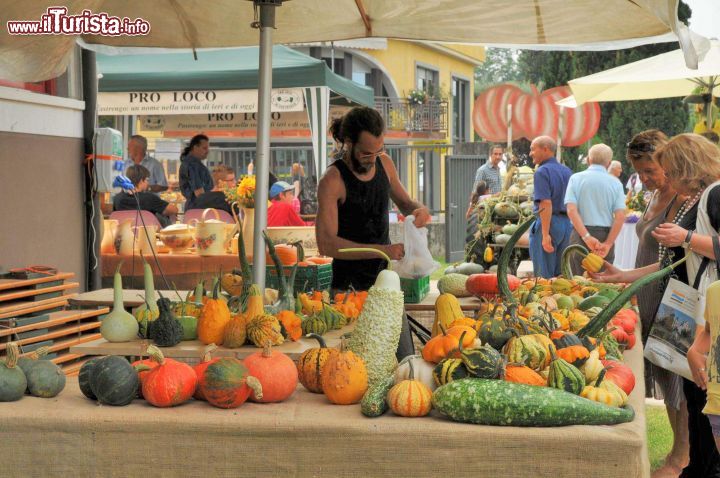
<point x="193" y="102"/>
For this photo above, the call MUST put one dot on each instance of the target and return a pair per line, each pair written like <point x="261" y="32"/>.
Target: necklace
<point x="665" y="255"/>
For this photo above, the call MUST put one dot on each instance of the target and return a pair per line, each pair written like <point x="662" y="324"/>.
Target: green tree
<point x="500" y="66"/>
<point x="620" y="120"/>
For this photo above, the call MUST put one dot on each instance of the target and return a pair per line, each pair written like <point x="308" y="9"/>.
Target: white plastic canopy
<point x="538" y="24"/>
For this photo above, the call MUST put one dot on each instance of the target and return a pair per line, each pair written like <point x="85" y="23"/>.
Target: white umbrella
<point x="660" y="76"/>
<point x="543" y="24"/>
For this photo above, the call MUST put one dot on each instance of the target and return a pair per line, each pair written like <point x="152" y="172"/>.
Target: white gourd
<point x="119" y="325"/>
<point x="423" y="371"/>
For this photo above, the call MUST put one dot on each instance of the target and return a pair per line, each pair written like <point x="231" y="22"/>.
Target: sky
<point x="705" y="18"/>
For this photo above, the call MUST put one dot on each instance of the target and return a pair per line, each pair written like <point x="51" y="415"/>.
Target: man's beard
<point x="357" y="165"/>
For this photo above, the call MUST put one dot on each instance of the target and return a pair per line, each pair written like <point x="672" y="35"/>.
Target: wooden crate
<point x="33" y="314"/>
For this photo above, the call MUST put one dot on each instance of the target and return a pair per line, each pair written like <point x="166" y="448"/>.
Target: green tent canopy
<point x="224" y="69"/>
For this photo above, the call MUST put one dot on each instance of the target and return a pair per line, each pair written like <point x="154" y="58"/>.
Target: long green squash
<point x="504" y="261"/>
<point x="565" y="269"/>
<point x="599" y="322"/>
<point x="497" y="402"/>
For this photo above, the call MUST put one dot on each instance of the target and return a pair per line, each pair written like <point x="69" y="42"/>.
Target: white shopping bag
<point x="417" y="262"/>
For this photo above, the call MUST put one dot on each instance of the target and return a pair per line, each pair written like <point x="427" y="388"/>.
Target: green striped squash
<point x="526" y="350"/>
<point x="448" y="370"/>
<point x="564" y="376"/>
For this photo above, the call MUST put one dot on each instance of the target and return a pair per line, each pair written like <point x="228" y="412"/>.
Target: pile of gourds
<point x="30" y="374"/>
<point x="264" y="376"/>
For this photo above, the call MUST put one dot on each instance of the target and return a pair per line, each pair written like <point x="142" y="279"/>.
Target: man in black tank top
<point x="353" y="202"/>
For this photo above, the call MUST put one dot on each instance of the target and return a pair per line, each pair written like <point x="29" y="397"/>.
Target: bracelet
<point x="688" y="237"/>
<point x="587" y="234"/>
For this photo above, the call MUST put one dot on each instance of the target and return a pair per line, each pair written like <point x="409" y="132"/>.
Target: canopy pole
<point x="262" y="154"/>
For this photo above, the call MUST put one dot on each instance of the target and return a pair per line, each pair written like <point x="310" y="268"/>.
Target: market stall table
<point x="131" y="298"/>
<point x="194" y="349"/>
<point x="73" y="436"/>
<point x="428" y="303"/>
<point x="183" y="270"/>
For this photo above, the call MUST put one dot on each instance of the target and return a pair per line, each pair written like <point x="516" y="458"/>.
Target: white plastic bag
<point x="417" y="261"/>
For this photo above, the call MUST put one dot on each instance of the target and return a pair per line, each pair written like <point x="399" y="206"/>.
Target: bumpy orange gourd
<point x="213" y="319"/>
<point x="574" y="354"/>
<point x="310" y="306"/>
<point x="291" y="324"/>
<point x="264" y="328"/>
<point x="311" y="363"/>
<point x="344" y="378"/>
<point x="410" y="398"/>
<point x="235" y="332"/>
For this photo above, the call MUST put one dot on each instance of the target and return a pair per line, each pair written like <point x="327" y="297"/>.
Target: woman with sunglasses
<point x="691" y="165"/>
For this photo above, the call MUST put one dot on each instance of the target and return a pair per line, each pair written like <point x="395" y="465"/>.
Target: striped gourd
<point x="410" y="398"/>
<point x="264" y="328"/>
<point x="565" y="376"/>
<point x="448" y="370"/>
<point x="483" y="362"/>
<point x="526" y="350"/>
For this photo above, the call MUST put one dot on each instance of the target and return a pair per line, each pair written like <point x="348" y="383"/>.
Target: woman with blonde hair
<point x="692" y="166"/>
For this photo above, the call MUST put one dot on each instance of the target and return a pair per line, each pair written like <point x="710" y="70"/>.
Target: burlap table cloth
<point x="304" y="436"/>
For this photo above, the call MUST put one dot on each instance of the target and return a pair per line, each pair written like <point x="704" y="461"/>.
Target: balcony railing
<point x="400" y="115"/>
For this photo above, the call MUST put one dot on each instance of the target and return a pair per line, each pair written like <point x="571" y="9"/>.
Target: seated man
<point x="281" y="211"/>
<point x="148" y="201"/>
<point x="223" y="176"/>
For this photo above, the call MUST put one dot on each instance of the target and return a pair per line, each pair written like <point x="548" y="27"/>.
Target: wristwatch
<point x="587" y="234"/>
<point x="686" y="242"/>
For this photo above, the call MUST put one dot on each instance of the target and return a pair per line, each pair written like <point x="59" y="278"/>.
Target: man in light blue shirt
<point x="595" y="203"/>
<point x="137" y="154"/>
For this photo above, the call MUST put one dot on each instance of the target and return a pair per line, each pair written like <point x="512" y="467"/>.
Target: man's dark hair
<point x="335" y="129"/>
<point x="137" y="173"/>
<point x="359" y="119"/>
<point x="194" y="142"/>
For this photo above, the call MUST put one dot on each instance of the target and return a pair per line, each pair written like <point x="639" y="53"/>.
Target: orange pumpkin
<point x="318" y="260"/>
<point x="458" y="330"/>
<point x="291" y="325"/>
<point x="285" y="252"/>
<point x="523" y="374"/>
<point x="170" y="383"/>
<point x="311" y="363"/>
<point x="344" y="378"/>
<point x="213" y="319"/>
<point x="276" y="373"/>
<point x="438" y="347"/>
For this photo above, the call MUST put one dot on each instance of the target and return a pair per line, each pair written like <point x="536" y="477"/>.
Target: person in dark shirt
<point x="195" y="178"/>
<point x="223" y="176"/>
<point x="125" y="201"/>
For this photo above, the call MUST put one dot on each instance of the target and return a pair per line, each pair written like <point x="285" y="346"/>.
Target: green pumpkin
<point x="612" y="348"/>
<point x="45" y="379"/>
<point x="114" y="381"/>
<point x="448" y="370"/>
<point x="494" y="331"/>
<point x="12" y="379"/>
<point x="483" y="362"/>
<point x="84" y="378"/>
<point x="189" y="326"/>
<point x="166" y="331"/>
<point x="527" y="351"/>
<point x="314" y="325"/>
<point x="567" y="340"/>
<point x="564" y="376"/>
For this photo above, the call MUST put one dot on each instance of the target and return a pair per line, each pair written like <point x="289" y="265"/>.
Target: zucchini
<point x="565" y="269"/>
<point x="374" y="402"/>
<point x="504" y="261"/>
<point x="599" y="322"/>
<point x="497" y="402"/>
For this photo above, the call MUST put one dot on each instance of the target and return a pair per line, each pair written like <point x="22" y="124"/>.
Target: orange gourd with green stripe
<point x="410" y="398"/>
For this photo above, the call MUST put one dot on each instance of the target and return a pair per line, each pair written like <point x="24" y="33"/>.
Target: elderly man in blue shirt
<point x="595" y="203"/>
<point x="550" y="235"/>
<point x="137" y="155"/>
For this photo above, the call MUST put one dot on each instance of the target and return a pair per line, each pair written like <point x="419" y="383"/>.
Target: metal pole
<point x="561" y="127"/>
<point x="262" y="155"/>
